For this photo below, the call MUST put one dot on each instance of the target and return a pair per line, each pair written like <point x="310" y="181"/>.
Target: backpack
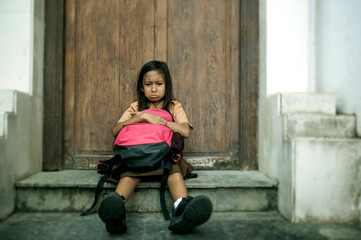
<point x="142" y="147"/>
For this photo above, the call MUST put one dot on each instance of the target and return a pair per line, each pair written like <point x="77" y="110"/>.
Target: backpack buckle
<point x="176" y="158"/>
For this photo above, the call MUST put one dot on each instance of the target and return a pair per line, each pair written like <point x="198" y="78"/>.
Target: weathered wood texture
<point x="53" y="86"/>
<point x="203" y="42"/>
<point x="249" y="49"/>
<point x="107" y="43"/>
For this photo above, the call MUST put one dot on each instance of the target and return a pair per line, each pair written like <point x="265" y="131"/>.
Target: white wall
<point x="307" y="46"/>
<point x="289" y="51"/>
<point x="21" y="69"/>
<point x="15" y="45"/>
<point x="313" y="46"/>
<point x="287" y="43"/>
<point x="338" y="53"/>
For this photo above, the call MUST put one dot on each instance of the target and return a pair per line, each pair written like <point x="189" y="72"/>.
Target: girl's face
<point x="154" y="86"/>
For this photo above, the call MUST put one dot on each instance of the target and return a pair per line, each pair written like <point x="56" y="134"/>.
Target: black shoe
<point x="112" y="213"/>
<point x="190" y="213"/>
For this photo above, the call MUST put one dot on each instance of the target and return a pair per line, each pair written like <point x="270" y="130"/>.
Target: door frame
<point x="54" y="48"/>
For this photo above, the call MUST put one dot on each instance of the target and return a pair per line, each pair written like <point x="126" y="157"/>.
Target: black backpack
<point x="163" y="150"/>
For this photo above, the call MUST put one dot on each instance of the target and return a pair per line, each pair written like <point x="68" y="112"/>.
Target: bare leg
<point x="177" y="187"/>
<point x="126" y="186"/>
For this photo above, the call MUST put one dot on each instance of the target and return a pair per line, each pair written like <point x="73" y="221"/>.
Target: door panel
<point x="107" y="42"/>
<point x="203" y="40"/>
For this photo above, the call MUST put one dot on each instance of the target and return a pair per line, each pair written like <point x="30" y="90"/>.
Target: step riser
<point x="321" y="126"/>
<point x="3" y="125"/>
<point x="144" y="200"/>
<point x="311" y="103"/>
<point x="325" y="182"/>
<point x="7" y="101"/>
<point x="74" y="190"/>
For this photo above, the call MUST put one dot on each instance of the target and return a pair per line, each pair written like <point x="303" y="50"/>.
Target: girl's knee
<point x="176" y="175"/>
<point x="132" y="179"/>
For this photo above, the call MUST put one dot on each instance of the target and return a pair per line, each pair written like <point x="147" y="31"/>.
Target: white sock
<point x="176" y="203"/>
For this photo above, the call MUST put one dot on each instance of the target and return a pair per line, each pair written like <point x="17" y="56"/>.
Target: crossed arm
<point x="182" y="128"/>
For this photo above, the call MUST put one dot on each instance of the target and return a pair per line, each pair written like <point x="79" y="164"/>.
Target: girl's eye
<point x="160" y="83"/>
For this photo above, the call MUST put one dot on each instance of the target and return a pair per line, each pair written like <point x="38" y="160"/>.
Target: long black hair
<point x="162" y="68"/>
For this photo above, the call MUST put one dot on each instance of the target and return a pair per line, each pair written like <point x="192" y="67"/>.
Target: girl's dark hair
<point x="162" y="68"/>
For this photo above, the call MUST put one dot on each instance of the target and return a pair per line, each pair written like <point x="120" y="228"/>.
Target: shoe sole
<point x="198" y="211"/>
<point x="112" y="212"/>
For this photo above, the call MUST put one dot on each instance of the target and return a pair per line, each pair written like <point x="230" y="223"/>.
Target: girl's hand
<point x="136" y="114"/>
<point x="182" y="128"/>
<point x="137" y="117"/>
<point x="148" y="117"/>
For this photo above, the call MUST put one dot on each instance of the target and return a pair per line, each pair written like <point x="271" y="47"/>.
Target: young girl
<point x="155" y="91"/>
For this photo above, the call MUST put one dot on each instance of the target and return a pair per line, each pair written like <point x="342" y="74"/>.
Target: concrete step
<point x="73" y="190"/>
<point x="7" y="106"/>
<point x="7" y="101"/>
<point x="320" y="171"/>
<point x="322" y="126"/>
<point x="312" y="103"/>
<point x="3" y="125"/>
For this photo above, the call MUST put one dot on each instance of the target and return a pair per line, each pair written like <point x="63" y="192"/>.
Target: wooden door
<point x="106" y="44"/>
<point x="202" y="51"/>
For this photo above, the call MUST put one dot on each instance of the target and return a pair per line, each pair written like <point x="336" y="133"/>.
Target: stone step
<point x="322" y="126"/>
<point x="7" y="106"/>
<point x="73" y="190"/>
<point x="320" y="171"/>
<point x="312" y="103"/>
<point x="7" y="101"/>
<point x="3" y="125"/>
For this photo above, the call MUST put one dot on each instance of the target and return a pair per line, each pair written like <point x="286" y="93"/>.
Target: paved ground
<point x="223" y="226"/>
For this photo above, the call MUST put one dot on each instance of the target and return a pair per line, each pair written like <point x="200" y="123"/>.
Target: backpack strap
<point x="97" y="193"/>
<point x="105" y="168"/>
<point x="164" y="180"/>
